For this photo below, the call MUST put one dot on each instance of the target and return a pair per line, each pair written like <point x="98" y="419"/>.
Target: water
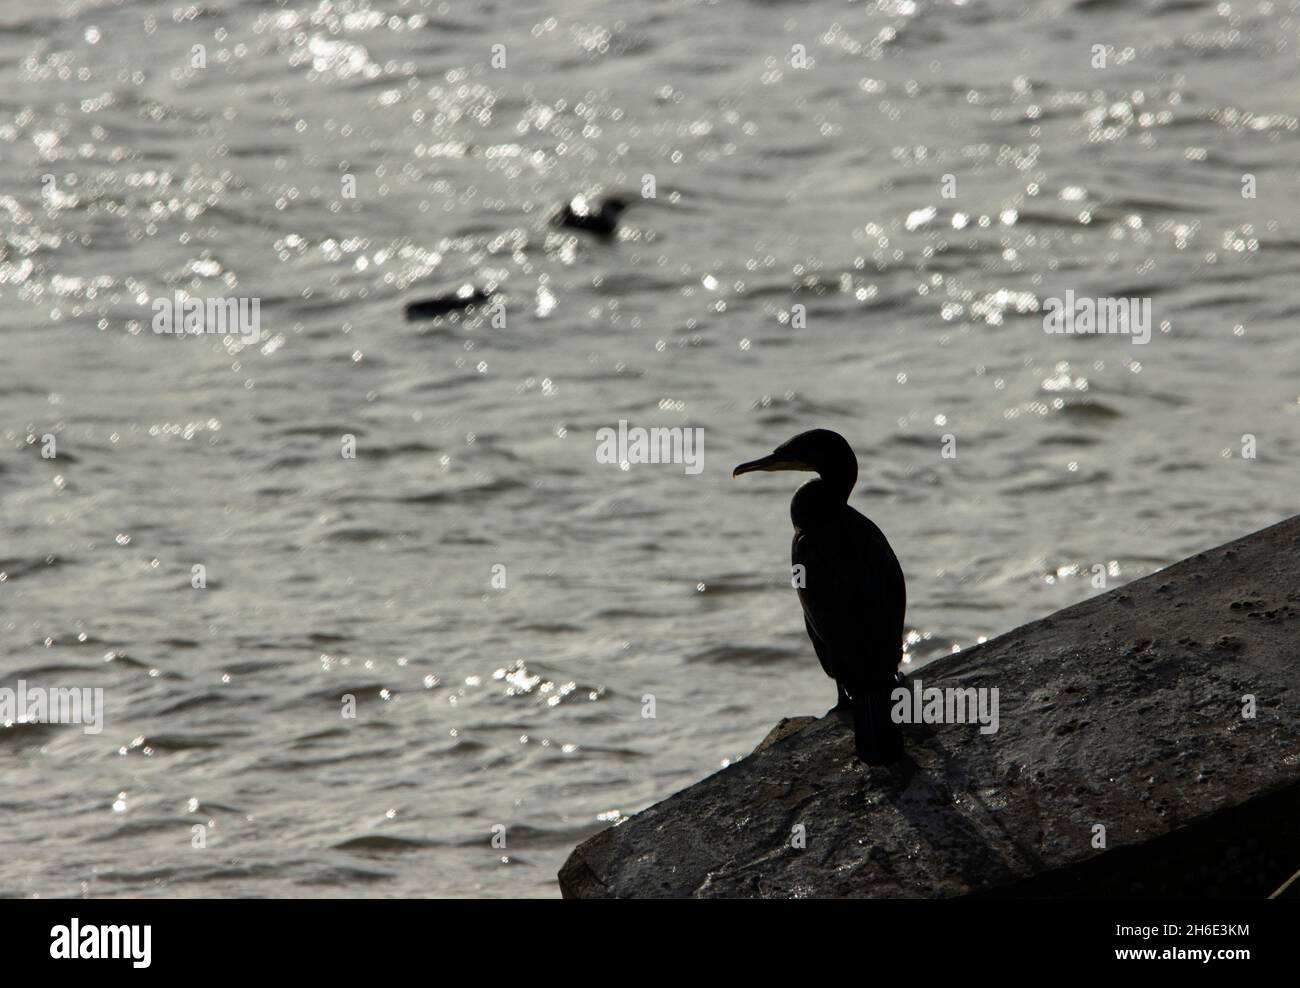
<point x="775" y="186"/>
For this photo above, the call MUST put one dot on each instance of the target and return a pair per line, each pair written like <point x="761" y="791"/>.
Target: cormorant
<point x="853" y="594"/>
<point x="462" y="297"/>
<point x="584" y="213"/>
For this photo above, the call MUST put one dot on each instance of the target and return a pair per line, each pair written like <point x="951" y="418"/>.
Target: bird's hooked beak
<point x="770" y="462"/>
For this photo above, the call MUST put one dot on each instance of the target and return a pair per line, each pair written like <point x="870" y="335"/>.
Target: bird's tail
<point x="878" y="740"/>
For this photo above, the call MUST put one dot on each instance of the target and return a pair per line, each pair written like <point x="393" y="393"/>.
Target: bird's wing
<point x="825" y="655"/>
<point x="851" y="603"/>
<point x="829" y="596"/>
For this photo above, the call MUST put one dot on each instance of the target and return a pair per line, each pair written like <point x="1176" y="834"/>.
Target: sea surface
<point x="502" y="607"/>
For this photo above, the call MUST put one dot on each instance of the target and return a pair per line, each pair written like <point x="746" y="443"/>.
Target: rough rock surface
<point x="1124" y="711"/>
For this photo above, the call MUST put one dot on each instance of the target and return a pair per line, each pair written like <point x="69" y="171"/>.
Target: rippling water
<point x="128" y="173"/>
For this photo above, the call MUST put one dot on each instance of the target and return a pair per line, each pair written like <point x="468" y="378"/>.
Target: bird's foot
<point x="893" y="776"/>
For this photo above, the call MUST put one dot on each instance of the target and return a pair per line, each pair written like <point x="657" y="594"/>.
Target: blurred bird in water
<point x="594" y="216"/>
<point x="463" y="297"/>
<point x="853" y="594"/>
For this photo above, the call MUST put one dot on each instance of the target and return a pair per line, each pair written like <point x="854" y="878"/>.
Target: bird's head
<point x="819" y="450"/>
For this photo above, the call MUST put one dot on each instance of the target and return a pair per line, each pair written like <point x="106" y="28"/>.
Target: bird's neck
<point x="818" y="503"/>
<point x="838" y="483"/>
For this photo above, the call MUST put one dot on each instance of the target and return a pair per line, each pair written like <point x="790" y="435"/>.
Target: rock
<point x="784" y="728"/>
<point x="1111" y="715"/>
<point x="1290" y="889"/>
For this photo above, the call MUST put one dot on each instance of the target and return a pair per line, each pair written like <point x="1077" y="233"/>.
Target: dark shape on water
<point x="853" y="594"/>
<point x="462" y="297"/>
<point x="594" y="216"/>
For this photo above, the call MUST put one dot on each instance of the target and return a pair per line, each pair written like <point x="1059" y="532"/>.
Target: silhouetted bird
<point x="853" y="594"/>
<point x="453" y="301"/>
<point x="584" y="213"/>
